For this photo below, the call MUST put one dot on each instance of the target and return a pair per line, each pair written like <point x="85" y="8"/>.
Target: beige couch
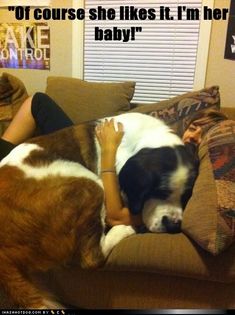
<point x="144" y="271"/>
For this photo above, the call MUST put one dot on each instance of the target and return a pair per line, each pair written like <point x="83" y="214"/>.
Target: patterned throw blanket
<point x="175" y="114"/>
<point x="221" y="146"/>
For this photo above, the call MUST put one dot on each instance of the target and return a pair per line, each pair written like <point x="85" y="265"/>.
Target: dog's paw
<point x="126" y="229"/>
<point x="114" y="236"/>
<point x="121" y="231"/>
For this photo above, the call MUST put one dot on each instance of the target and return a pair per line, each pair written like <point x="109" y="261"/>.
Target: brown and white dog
<point x="52" y="212"/>
<point x="52" y="202"/>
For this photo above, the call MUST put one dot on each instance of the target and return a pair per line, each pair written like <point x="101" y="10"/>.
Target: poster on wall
<point x="230" y="40"/>
<point x="25" y="46"/>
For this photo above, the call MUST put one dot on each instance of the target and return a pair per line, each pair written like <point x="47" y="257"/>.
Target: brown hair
<point x="205" y="119"/>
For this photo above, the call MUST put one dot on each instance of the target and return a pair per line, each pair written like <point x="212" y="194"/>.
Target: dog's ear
<point x="135" y="182"/>
<point x="136" y="203"/>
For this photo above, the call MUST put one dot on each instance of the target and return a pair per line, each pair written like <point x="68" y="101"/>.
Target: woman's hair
<point x="205" y="119"/>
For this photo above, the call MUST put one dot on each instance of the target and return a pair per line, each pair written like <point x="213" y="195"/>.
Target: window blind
<point x="161" y="59"/>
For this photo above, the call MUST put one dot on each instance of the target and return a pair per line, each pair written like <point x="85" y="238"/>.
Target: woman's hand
<point x="109" y="138"/>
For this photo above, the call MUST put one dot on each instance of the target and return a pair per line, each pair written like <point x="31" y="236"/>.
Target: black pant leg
<point x="48" y="115"/>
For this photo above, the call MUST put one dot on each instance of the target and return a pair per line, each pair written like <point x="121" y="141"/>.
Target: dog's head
<point x="154" y="182"/>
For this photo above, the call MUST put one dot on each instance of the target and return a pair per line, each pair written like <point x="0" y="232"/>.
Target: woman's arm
<point x="109" y="140"/>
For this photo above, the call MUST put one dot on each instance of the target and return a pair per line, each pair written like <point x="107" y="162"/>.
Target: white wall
<point x="221" y="71"/>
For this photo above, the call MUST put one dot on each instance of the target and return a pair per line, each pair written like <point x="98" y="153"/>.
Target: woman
<point x="41" y="112"/>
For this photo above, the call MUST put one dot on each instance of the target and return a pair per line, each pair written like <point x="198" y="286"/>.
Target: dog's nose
<point x="171" y="225"/>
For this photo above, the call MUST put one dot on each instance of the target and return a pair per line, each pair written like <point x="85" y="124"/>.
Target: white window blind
<point x="162" y="58"/>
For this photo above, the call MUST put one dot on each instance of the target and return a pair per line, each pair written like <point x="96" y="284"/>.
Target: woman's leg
<point x="37" y="112"/>
<point x="48" y="116"/>
<point x="5" y="148"/>
<point x="22" y="126"/>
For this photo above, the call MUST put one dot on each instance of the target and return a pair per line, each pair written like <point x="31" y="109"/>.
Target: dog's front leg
<point x="114" y="236"/>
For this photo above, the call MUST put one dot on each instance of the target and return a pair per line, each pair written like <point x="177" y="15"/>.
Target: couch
<point x="146" y="270"/>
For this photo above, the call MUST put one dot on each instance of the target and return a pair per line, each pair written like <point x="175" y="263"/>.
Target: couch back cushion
<point x="83" y="100"/>
<point x="175" y="110"/>
<point x="209" y="217"/>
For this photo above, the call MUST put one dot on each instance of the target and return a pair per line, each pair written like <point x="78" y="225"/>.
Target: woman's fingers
<point x="120" y="126"/>
<point x="109" y="125"/>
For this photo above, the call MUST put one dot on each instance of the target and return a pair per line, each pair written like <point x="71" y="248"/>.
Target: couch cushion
<point x="150" y="254"/>
<point x="83" y="100"/>
<point x="145" y="268"/>
<point x="209" y="217"/>
<point x="175" y="110"/>
<point x="171" y="254"/>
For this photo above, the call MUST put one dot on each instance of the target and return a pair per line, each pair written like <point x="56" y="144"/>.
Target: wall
<point x="221" y="71"/>
<point x="61" y="51"/>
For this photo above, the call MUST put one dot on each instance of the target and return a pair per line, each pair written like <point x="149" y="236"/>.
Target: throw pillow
<point x="5" y="91"/>
<point x="83" y="100"/>
<point x="175" y="110"/>
<point x="209" y="217"/>
<point x="14" y="93"/>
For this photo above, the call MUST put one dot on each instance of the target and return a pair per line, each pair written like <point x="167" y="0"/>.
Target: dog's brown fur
<point x="73" y="143"/>
<point x="49" y="222"/>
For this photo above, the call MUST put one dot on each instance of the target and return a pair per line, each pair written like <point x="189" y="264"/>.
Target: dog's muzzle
<point x="171" y="225"/>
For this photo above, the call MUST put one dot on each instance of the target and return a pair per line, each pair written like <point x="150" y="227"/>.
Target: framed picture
<point x="230" y="40"/>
